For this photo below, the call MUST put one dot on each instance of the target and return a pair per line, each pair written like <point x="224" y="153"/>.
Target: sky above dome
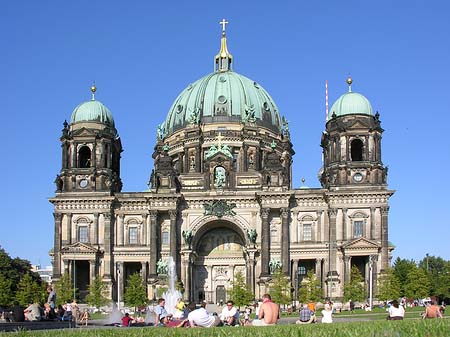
<point x="141" y="54"/>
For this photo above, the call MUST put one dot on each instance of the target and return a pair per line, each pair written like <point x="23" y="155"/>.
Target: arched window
<point x="84" y="157"/>
<point x="357" y="150"/>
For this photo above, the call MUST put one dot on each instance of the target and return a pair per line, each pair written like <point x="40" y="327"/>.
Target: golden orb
<point x="349" y="80"/>
<point x="93" y="89"/>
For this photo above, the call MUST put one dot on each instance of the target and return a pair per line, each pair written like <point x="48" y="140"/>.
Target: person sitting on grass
<point x="432" y="311"/>
<point x="85" y="317"/>
<point x="169" y="322"/>
<point x="396" y="311"/>
<point x="127" y="320"/>
<point x="229" y="315"/>
<point x="268" y="313"/>
<point x="306" y="316"/>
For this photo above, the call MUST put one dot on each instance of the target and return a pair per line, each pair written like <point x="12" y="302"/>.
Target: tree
<point x="240" y="292"/>
<point x="29" y="291"/>
<point x="355" y="288"/>
<point x="135" y="293"/>
<point x="310" y="288"/>
<point x="438" y="272"/>
<point x="417" y="284"/>
<point x="97" y="293"/>
<point x="388" y="286"/>
<point x="64" y="289"/>
<point x="280" y="289"/>
<point x="5" y="293"/>
<point x="401" y="269"/>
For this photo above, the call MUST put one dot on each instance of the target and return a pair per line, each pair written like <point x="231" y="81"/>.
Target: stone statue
<point x="274" y="265"/>
<point x="219" y="179"/>
<point x="194" y="116"/>
<point x="211" y="152"/>
<point x="160" y="132"/>
<point x="162" y="267"/>
<point x="252" y="235"/>
<point x="187" y="236"/>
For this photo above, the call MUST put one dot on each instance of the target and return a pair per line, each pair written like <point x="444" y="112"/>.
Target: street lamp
<point x="118" y="266"/>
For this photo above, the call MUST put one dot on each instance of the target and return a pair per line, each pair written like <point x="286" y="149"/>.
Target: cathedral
<point x="220" y="199"/>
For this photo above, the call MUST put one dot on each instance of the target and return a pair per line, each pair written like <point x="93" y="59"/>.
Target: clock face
<point x="358" y="177"/>
<point x="83" y="183"/>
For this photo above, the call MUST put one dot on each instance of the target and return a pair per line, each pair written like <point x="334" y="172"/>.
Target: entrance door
<point x="220" y="294"/>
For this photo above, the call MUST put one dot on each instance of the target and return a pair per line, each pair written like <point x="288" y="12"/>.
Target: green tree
<point x="310" y="289"/>
<point x="97" y="293"/>
<point x="401" y="269"/>
<point x="5" y="293"/>
<point x="240" y="292"/>
<point x="438" y="272"/>
<point x="29" y="291"/>
<point x="64" y="289"/>
<point x="388" y="286"/>
<point x="417" y="284"/>
<point x="355" y="288"/>
<point x="135" y="293"/>
<point x="280" y="289"/>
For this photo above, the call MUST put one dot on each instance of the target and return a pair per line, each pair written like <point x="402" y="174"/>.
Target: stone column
<point x="68" y="240"/>
<point x="57" y="246"/>
<point x="347" y="268"/>
<point x="144" y="229"/>
<point x="384" y="238"/>
<point x="95" y="229"/>
<point x="285" y="240"/>
<point x="372" y="223"/>
<point x="344" y="224"/>
<point x="265" y="237"/>
<point x="332" y="239"/>
<point x="173" y="236"/>
<point x="65" y="267"/>
<point x="92" y="274"/>
<point x="120" y="229"/>
<point x="186" y="273"/>
<point x="251" y="268"/>
<point x="108" y="236"/>
<point x="318" y="268"/>
<point x="153" y="243"/>
<point x="148" y="230"/>
<point x="319" y="226"/>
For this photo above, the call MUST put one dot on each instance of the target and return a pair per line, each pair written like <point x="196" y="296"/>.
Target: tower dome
<point x="92" y="111"/>
<point x="350" y="103"/>
<point x="223" y="96"/>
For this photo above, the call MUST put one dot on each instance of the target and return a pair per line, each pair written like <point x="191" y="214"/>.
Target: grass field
<point x="407" y="328"/>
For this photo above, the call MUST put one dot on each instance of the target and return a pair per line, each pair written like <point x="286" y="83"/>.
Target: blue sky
<point x="141" y="54"/>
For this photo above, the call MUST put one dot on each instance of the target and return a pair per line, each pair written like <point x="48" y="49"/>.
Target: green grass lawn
<point x="409" y="328"/>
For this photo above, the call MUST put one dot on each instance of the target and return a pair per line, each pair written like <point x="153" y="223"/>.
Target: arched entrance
<point x="220" y="255"/>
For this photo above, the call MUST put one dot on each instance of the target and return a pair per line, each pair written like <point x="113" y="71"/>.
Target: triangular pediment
<point x="84" y="132"/>
<point x="358" y="124"/>
<point x="219" y="157"/>
<point x="361" y="243"/>
<point x="78" y="248"/>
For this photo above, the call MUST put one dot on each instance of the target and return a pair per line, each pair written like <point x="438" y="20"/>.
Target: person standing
<point x="268" y="312"/>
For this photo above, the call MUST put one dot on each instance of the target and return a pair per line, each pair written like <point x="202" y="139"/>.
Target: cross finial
<point x="223" y="23"/>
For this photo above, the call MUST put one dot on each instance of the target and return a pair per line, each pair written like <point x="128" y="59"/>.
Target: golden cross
<point x="223" y="23"/>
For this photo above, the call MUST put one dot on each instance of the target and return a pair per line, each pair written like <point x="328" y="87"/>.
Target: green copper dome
<point x="223" y="96"/>
<point x="92" y="111"/>
<point x="350" y="103"/>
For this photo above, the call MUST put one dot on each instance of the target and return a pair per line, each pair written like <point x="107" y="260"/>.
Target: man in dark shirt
<point x="17" y="311"/>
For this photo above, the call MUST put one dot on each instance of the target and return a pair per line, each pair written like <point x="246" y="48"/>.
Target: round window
<point x="179" y="108"/>
<point x="221" y="99"/>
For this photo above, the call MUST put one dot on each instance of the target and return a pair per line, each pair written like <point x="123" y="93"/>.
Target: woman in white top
<point x="396" y="311"/>
<point x="327" y="314"/>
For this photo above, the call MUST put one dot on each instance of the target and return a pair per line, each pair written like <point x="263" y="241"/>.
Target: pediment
<point x="358" y="124"/>
<point x="361" y="243"/>
<point x="219" y="157"/>
<point x="79" y="248"/>
<point x="84" y="132"/>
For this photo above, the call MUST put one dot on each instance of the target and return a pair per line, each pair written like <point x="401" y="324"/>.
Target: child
<point x="247" y="316"/>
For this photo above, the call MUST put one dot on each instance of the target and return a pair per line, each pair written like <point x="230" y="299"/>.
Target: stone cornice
<point x="345" y="198"/>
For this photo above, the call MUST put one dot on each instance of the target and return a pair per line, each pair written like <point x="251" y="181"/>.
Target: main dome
<point x="350" y="103"/>
<point x="223" y="96"/>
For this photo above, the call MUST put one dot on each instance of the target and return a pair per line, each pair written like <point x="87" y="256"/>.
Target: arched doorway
<point x="220" y="255"/>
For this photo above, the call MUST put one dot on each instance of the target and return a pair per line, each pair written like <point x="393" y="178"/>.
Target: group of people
<point x="197" y="316"/>
<point x="307" y="314"/>
<point x="396" y="310"/>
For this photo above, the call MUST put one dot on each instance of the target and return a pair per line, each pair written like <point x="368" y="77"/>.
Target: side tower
<point x="91" y="150"/>
<point x="355" y="183"/>
<point x="84" y="197"/>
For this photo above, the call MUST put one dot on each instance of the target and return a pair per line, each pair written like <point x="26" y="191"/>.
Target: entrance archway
<point x="220" y="255"/>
